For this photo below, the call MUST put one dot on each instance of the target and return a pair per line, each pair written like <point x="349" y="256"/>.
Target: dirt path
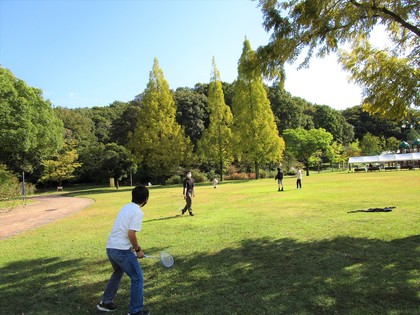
<point x="45" y="209"/>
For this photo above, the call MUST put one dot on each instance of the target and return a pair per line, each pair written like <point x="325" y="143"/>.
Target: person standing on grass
<point x="298" y="179"/>
<point x="123" y="250"/>
<point x="214" y="181"/>
<point x="188" y="193"/>
<point x="279" y="178"/>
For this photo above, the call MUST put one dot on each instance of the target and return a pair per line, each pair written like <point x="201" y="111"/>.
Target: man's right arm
<point x="133" y="240"/>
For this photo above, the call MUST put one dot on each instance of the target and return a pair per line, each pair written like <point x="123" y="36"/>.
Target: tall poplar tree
<point x="215" y="145"/>
<point x="256" y="136"/>
<point x="158" y="142"/>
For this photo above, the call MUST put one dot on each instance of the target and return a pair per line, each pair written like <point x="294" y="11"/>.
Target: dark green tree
<point x="364" y="123"/>
<point x="125" y="123"/>
<point x="303" y="143"/>
<point x="288" y="112"/>
<point x="30" y="131"/>
<point x="371" y="145"/>
<point x="103" y="118"/>
<point x="79" y="127"/>
<point x="334" y="122"/>
<point x="117" y="162"/>
<point x="192" y="112"/>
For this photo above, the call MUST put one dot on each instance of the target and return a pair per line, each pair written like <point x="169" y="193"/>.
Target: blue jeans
<point x="125" y="261"/>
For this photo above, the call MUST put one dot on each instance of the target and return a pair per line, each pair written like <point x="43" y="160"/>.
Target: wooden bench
<point x="390" y="168"/>
<point x="406" y="167"/>
<point x="359" y="169"/>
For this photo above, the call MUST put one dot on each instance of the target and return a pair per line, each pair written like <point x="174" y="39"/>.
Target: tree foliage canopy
<point x="62" y="167"/>
<point x="255" y="131"/>
<point x="371" y="145"/>
<point x="117" y="161"/>
<point x="29" y="129"/>
<point x="390" y="76"/>
<point x="192" y="112"/>
<point x="158" y="142"/>
<point x="216" y="142"/>
<point x="304" y="143"/>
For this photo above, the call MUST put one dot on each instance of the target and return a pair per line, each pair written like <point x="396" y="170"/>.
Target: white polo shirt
<point x="130" y="217"/>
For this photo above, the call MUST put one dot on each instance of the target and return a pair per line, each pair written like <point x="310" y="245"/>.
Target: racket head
<point x="166" y="259"/>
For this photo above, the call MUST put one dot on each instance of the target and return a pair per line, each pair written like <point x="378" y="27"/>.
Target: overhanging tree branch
<point x="391" y="14"/>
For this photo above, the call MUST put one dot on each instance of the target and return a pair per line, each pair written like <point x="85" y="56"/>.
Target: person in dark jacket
<point x="279" y="178"/>
<point x="188" y="192"/>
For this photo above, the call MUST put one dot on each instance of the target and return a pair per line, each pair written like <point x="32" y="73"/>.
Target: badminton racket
<point x="181" y="207"/>
<point x="165" y="258"/>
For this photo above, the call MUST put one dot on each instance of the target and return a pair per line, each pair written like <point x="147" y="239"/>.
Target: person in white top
<point x="123" y="250"/>
<point x="214" y="181"/>
<point x="298" y="179"/>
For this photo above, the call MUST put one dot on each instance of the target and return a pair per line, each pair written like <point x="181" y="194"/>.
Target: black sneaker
<point x="106" y="307"/>
<point x="191" y="214"/>
<point x="143" y="312"/>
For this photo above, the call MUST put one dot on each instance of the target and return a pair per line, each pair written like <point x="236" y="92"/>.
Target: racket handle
<point x="148" y="256"/>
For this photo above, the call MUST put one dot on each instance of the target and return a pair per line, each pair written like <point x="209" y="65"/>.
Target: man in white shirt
<point x="123" y="250"/>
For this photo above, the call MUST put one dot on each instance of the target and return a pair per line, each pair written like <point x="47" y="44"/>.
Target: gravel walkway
<point x="43" y="210"/>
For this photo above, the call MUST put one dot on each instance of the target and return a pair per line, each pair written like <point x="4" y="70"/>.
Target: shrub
<point x="175" y="179"/>
<point x="9" y="184"/>
<point x="238" y="176"/>
<point x="271" y="174"/>
<point x="199" y="177"/>
<point x="263" y="174"/>
<point x="212" y="174"/>
<point x="11" y="189"/>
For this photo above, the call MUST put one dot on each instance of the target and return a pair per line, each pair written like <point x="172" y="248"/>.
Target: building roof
<point x="385" y="158"/>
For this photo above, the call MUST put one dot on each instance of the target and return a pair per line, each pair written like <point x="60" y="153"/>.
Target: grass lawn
<point x="248" y="250"/>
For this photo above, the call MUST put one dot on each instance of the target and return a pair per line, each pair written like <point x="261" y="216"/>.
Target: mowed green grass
<point x="248" y="250"/>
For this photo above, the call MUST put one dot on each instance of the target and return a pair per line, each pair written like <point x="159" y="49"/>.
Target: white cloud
<point x="323" y="83"/>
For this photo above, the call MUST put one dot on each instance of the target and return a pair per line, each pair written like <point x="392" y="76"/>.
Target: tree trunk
<point x="257" y="171"/>
<point x="221" y="169"/>
<point x="307" y="169"/>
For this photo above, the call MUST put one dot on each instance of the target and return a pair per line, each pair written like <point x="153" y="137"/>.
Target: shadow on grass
<point x="177" y="216"/>
<point x="260" y="276"/>
<point x="340" y="276"/>
<point x="41" y="286"/>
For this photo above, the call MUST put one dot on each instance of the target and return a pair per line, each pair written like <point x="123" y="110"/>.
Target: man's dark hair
<point x="139" y="194"/>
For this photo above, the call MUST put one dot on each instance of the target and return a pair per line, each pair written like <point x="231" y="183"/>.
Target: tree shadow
<point x="344" y="275"/>
<point x="340" y="276"/>
<point x="39" y="286"/>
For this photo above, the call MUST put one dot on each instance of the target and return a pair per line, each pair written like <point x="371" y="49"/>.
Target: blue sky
<point x="92" y="53"/>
